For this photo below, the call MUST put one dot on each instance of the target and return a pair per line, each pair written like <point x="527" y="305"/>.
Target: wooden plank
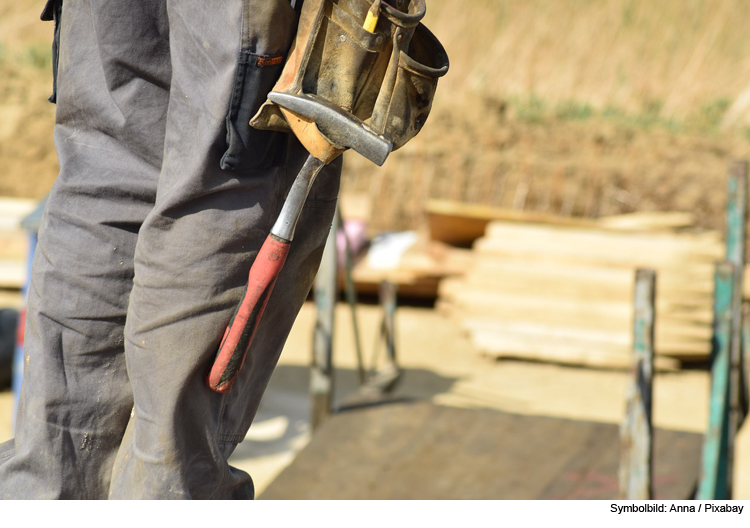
<point x="14" y="245"/>
<point x="541" y="308"/>
<point x="13" y="210"/>
<point x="673" y="339"/>
<point x="12" y="274"/>
<point x="557" y="233"/>
<point x="648" y="221"/>
<point x="636" y="431"/>
<point x="459" y="223"/>
<point x="579" y="289"/>
<point x="537" y="237"/>
<point x="671" y="328"/>
<point x="508" y="270"/>
<point x="423" y="451"/>
<point x="471" y="302"/>
<point x="14" y="242"/>
<point x="568" y="351"/>
<point x="656" y="253"/>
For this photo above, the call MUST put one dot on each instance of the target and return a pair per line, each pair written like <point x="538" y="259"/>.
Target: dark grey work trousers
<point x="163" y="199"/>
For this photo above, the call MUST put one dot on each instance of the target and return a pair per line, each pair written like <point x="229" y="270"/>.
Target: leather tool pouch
<point x="386" y="78"/>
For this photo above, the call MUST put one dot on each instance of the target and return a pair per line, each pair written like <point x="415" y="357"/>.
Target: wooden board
<point x="424" y="451"/>
<point x="460" y="223"/>
<point x="13" y="241"/>
<point x="600" y="247"/>
<point x="12" y="274"/>
<point x="12" y="210"/>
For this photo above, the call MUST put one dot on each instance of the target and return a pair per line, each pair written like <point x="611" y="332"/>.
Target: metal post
<point x="735" y="253"/>
<point x="351" y="296"/>
<point x="745" y="346"/>
<point x="321" y="373"/>
<point x="384" y="379"/>
<point x="636" y="431"/>
<point x="388" y="301"/>
<point x="714" y="479"/>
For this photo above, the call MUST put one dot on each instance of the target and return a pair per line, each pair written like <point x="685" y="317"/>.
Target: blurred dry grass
<point x="576" y="107"/>
<point x="629" y="55"/>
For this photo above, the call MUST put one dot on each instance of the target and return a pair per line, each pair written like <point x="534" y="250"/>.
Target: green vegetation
<point x="704" y="120"/>
<point x="37" y="56"/>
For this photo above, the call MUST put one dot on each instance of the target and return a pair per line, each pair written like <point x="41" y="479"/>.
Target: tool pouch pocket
<point x="407" y="93"/>
<point x="335" y="58"/>
<point x="52" y="11"/>
<point x="386" y="78"/>
<point x="344" y="56"/>
<point x="247" y="147"/>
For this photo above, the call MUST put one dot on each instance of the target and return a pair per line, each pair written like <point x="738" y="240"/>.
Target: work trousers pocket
<point x="247" y="147"/>
<point x="52" y="11"/>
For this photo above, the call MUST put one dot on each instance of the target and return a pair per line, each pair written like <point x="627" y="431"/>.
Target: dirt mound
<point x="27" y="151"/>
<point x="480" y="145"/>
<point x="573" y="168"/>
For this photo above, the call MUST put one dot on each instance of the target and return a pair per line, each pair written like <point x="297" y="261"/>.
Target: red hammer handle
<point x="239" y="334"/>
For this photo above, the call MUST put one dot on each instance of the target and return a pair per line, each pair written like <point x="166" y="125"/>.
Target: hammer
<point x="336" y="130"/>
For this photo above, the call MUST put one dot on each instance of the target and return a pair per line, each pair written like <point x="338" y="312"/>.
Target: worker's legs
<point x="189" y="268"/>
<point x="76" y="398"/>
<point x="192" y="259"/>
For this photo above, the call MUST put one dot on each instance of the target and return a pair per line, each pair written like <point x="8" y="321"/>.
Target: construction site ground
<point x="442" y="367"/>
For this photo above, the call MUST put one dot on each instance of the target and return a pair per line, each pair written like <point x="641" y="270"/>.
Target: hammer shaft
<point x="287" y="221"/>
<point x="340" y="130"/>
<point x="260" y="282"/>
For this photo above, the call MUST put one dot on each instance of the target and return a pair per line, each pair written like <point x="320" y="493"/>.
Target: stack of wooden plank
<point x="563" y="293"/>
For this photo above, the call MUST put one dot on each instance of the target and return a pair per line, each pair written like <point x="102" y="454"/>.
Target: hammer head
<point x="341" y="128"/>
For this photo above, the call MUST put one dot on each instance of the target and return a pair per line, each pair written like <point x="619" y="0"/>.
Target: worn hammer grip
<point x="239" y="334"/>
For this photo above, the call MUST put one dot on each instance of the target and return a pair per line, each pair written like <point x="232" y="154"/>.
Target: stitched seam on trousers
<point x="245" y="30"/>
<point x="218" y="428"/>
<point x="231" y="438"/>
